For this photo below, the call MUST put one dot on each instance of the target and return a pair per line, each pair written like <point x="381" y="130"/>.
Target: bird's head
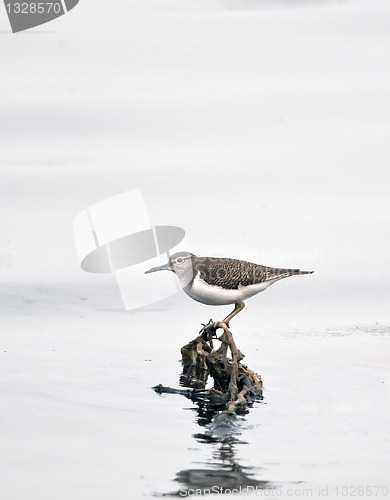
<point x="181" y="264"/>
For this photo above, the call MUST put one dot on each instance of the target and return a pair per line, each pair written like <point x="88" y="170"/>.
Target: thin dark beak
<point x="165" y="267"/>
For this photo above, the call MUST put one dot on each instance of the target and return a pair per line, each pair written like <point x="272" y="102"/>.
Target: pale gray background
<point x="262" y="129"/>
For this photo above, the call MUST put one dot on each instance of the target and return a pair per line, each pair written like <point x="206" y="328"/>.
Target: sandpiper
<point x="222" y="281"/>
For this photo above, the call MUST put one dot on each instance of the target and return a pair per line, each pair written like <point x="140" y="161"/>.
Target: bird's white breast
<point x="217" y="295"/>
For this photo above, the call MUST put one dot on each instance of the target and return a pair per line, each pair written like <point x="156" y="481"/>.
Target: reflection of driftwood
<point x="223" y="473"/>
<point x="235" y="385"/>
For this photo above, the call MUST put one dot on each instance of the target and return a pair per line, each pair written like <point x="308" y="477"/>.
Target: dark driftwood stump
<point x="235" y="385"/>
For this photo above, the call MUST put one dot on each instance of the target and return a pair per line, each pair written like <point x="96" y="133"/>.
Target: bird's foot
<point x="209" y="330"/>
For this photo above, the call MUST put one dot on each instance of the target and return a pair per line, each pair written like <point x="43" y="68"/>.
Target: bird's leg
<point x="212" y="326"/>
<point x="239" y="306"/>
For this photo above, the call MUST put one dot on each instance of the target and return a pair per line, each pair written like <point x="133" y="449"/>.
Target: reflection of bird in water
<point x="219" y="281"/>
<point x="220" y="426"/>
<point x="224" y="474"/>
<point x="222" y="480"/>
<point x="224" y="428"/>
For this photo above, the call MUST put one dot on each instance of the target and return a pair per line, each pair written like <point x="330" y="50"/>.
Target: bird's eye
<point x="179" y="260"/>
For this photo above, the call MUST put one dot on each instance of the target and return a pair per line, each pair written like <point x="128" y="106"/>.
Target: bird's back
<point x="234" y="274"/>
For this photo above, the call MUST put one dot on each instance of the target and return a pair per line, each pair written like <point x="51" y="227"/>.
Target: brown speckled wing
<point x="233" y="274"/>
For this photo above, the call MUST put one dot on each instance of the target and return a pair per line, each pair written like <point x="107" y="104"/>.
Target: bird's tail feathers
<point x="273" y="273"/>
